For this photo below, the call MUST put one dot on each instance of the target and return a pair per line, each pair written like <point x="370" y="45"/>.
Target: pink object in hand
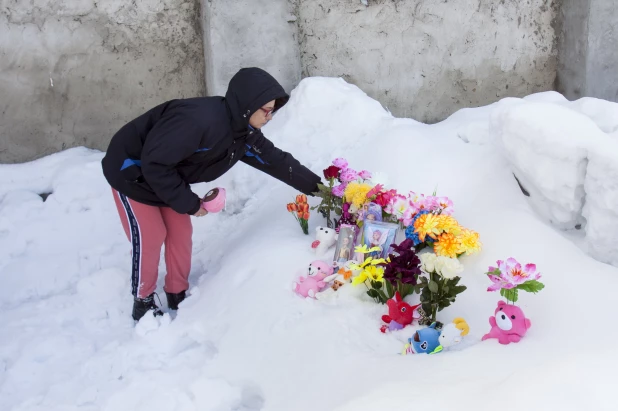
<point x="214" y="200"/>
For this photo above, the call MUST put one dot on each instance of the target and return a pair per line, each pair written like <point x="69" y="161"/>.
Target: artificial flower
<point x="365" y="175"/>
<point x="398" y="206"/>
<point x="306" y="215"/>
<point x="292" y="207"/>
<point x="448" y="224"/>
<point x="405" y="266"/>
<point x="356" y="193"/>
<point x="374" y="191"/>
<point x="468" y="242"/>
<point x="300" y="213"/>
<point x="448" y="267"/>
<point x="375" y="273"/>
<point x="331" y="172"/>
<point x="339" y="190"/>
<point x="426" y="225"/>
<point x="512" y="274"/>
<point x="348" y="175"/>
<point x="342" y="163"/>
<point x="301" y="198"/>
<point x="446" y="245"/>
<point x="384" y="198"/>
<point x="446" y="205"/>
<point x="363" y="249"/>
<point x="428" y="262"/>
<point x="361" y="278"/>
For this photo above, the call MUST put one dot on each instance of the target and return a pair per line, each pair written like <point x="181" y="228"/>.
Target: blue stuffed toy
<point x="424" y="341"/>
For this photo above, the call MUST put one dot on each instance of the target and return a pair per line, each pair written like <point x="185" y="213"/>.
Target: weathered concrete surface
<point x="250" y="33"/>
<point x="72" y="72"/>
<point x="572" y="35"/>
<point x="427" y="58"/>
<point x="588" y="49"/>
<point x="602" y="64"/>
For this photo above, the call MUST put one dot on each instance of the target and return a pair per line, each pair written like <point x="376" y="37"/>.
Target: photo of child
<point x="345" y="244"/>
<point x="381" y="235"/>
<point x="373" y="213"/>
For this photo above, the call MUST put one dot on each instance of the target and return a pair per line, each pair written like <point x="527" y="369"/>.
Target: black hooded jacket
<point x="155" y="157"/>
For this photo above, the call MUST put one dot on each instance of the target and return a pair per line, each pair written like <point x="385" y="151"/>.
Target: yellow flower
<point x="366" y="250"/>
<point x="356" y="193"/>
<point x="375" y="273"/>
<point x="447" y="245"/>
<point x="427" y="225"/>
<point x="448" y="224"/>
<point x="361" y="278"/>
<point x="468" y="241"/>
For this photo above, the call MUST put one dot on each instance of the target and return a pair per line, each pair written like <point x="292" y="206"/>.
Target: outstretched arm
<point x="264" y="156"/>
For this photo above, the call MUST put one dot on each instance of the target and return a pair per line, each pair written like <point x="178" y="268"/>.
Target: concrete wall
<point x="602" y="64"/>
<point x="427" y="58"/>
<point x="71" y="73"/>
<point x="250" y="33"/>
<point x="588" y="49"/>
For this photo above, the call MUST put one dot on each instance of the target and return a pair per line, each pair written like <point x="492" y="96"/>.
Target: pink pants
<point x="148" y="228"/>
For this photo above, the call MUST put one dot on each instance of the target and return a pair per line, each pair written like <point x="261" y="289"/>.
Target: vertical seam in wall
<point x="585" y="85"/>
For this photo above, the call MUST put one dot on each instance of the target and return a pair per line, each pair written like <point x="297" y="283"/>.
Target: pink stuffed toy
<point x="508" y="324"/>
<point x="314" y="283"/>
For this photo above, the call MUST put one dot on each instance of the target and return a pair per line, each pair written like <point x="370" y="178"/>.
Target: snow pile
<point x="243" y="340"/>
<point x="565" y="162"/>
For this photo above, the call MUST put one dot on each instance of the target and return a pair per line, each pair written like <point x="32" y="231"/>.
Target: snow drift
<point x="244" y="341"/>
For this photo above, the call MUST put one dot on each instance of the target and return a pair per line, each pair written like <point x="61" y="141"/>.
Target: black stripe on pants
<point x="135" y="243"/>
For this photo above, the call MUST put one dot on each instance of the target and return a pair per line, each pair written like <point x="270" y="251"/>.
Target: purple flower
<point x="342" y="163"/>
<point x="338" y="190"/>
<point x="365" y="175"/>
<point x="348" y="175"/>
<point x="511" y="275"/>
<point x="405" y="266"/>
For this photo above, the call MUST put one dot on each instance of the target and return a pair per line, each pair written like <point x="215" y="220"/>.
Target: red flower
<point x="332" y="172"/>
<point x="306" y="215"/>
<point x="292" y="207"/>
<point x="384" y="198"/>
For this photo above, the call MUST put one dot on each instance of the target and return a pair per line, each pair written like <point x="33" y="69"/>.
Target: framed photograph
<point x="345" y="244"/>
<point x="379" y="234"/>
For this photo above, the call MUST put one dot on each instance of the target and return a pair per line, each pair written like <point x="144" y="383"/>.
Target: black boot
<point x="174" y="299"/>
<point x="142" y="305"/>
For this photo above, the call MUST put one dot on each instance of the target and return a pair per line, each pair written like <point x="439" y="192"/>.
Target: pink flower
<point x="348" y="175"/>
<point x="374" y="191"/>
<point x="409" y="214"/>
<point x="365" y="175"/>
<point x="512" y="274"/>
<point x="446" y="205"/>
<point x="342" y="163"/>
<point x="398" y="206"/>
<point x="339" y="190"/>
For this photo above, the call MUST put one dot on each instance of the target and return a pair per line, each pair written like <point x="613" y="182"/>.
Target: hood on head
<point x="249" y="90"/>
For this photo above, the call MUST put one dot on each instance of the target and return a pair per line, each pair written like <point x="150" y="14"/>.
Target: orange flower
<point x="293" y="207"/>
<point x="299" y="214"/>
<point x="301" y="198"/>
<point x="304" y="207"/>
<point x="290" y="207"/>
<point x="447" y="245"/>
<point x="306" y="215"/>
<point x="345" y="273"/>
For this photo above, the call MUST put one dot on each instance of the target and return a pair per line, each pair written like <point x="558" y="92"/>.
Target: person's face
<point x="376" y="236"/>
<point x="346" y="241"/>
<point x="371" y="217"/>
<point x="263" y="115"/>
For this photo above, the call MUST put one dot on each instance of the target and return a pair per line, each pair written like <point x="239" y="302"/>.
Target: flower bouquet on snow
<point x="440" y="287"/>
<point x="300" y="211"/>
<point x="509" y="324"/>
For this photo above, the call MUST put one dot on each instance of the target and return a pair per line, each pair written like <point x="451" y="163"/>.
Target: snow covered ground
<point x="244" y="341"/>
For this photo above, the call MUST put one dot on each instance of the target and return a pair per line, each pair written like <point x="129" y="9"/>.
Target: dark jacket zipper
<point x="290" y="172"/>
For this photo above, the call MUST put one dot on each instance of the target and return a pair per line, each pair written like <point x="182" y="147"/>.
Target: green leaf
<point x="390" y="292"/>
<point x="445" y="289"/>
<point x="532" y="286"/>
<point x="372" y="293"/>
<point x="458" y="289"/>
<point x="382" y="296"/>
<point x="338" y="211"/>
<point x="406" y="290"/>
<point x="376" y="284"/>
<point x="494" y="272"/>
<point x="433" y="286"/>
<point x="510" y="295"/>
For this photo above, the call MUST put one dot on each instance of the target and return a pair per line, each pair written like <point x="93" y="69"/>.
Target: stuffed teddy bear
<point x="339" y="279"/>
<point x="508" y="324"/>
<point x="325" y="238"/>
<point x="316" y="273"/>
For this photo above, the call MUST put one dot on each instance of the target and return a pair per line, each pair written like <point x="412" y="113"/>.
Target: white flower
<point x="379" y="178"/>
<point x="448" y="267"/>
<point x="428" y="261"/>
